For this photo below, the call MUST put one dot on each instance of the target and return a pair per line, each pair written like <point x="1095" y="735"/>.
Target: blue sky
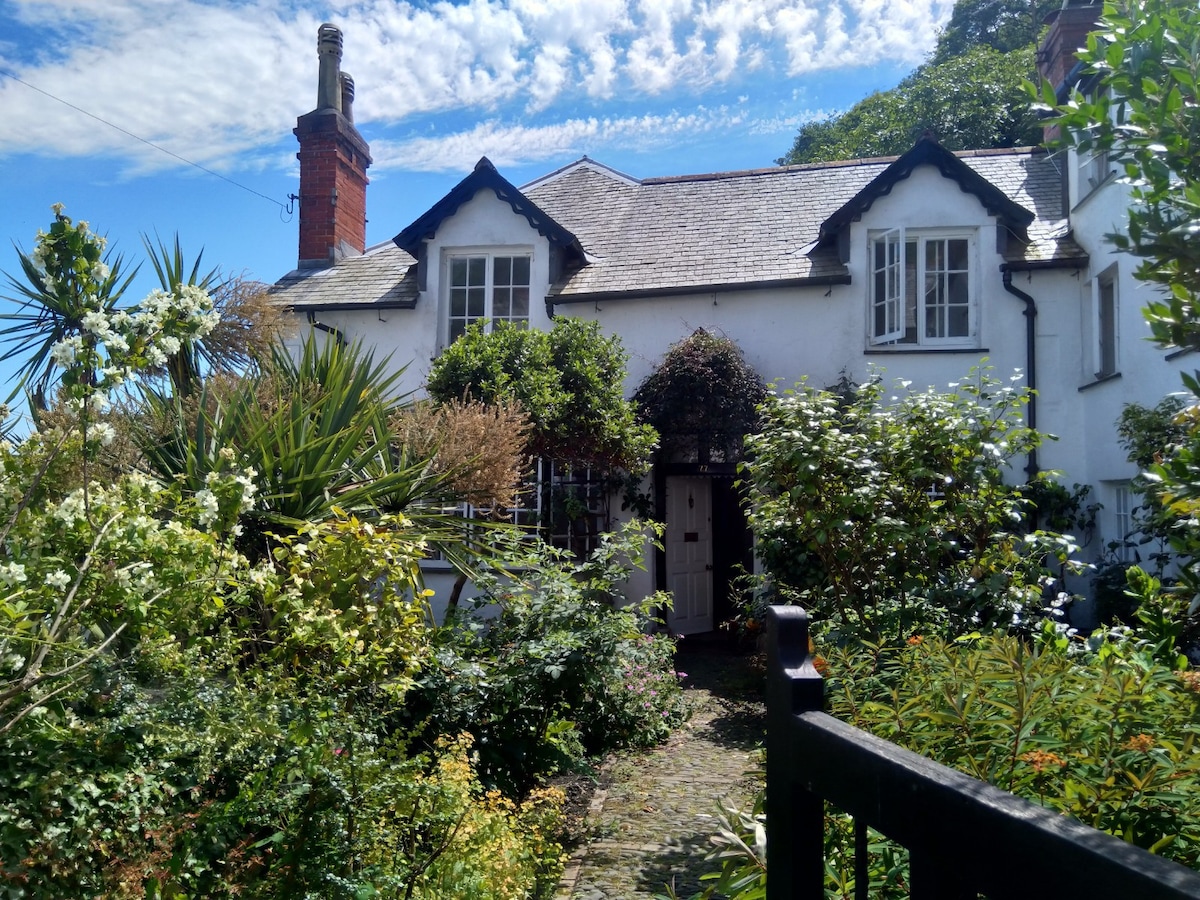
<point x="649" y="87"/>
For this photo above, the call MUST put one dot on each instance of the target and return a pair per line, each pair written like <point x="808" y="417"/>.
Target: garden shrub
<point x="562" y="671"/>
<point x="1107" y="735"/>
<point x="887" y="516"/>
<point x="702" y="399"/>
<point x="228" y="683"/>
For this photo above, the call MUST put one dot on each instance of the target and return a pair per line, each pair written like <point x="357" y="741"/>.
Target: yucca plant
<point x="183" y="368"/>
<point x="315" y="430"/>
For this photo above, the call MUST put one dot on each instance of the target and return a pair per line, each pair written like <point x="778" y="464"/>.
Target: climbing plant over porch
<point x="702" y="399"/>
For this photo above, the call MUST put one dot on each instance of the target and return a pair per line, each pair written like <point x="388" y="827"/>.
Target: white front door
<point x="689" y="554"/>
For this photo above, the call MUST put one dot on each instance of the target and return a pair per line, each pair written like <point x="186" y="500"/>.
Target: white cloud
<point x="513" y="145"/>
<point x="217" y="80"/>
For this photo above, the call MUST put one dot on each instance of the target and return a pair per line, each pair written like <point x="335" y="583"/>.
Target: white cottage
<point x="812" y="270"/>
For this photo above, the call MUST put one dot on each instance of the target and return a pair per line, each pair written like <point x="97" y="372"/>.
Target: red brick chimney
<point x="333" y="164"/>
<point x="1069" y="28"/>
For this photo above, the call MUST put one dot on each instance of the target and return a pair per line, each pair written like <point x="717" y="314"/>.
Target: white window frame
<point x="1122" y="520"/>
<point x="488" y="287"/>
<point x="539" y="508"/>
<point x="899" y="304"/>
<point x="1106" y="323"/>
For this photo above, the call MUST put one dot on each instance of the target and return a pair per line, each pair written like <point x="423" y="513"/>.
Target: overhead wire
<point x="183" y="159"/>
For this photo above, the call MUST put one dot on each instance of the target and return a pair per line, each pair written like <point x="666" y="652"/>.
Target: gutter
<point x="1031" y="469"/>
<point x="554" y="300"/>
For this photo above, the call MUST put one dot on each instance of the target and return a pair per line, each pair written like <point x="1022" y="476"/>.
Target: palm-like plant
<point x="246" y="334"/>
<point x="315" y="429"/>
<point x="184" y="367"/>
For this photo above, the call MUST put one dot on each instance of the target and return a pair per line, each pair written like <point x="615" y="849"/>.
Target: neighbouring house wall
<point x="1144" y="373"/>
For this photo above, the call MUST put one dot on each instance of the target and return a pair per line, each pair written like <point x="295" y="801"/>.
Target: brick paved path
<point x="651" y="818"/>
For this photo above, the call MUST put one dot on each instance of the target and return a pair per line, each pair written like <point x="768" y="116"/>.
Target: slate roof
<point x="384" y="277"/>
<point x="742" y="229"/>
<point x="732" y="230"/>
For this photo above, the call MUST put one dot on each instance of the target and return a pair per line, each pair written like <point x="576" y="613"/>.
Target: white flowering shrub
<point x="890" y="514"/>
<point x="73" y="331"/>
<point x="189" y="711"/>
<point x="131" y="567"/>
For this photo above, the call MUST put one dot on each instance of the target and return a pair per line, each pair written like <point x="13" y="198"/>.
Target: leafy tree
<point x="972" y="100"/>
<point x="1142" y="108"/>
<point x="1146" y="117"/>
<point x="1003" y="25"/>
<point x="567" y="380"/>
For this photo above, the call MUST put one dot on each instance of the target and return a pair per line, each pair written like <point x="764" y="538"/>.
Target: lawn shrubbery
<point x="560" y="672"/>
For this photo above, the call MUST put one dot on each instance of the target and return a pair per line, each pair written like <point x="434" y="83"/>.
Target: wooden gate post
<point x="795" y="815"/>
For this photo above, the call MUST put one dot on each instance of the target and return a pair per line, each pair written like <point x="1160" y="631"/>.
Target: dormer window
<point x="487" y="287"/>
<point x="922" y="288"/>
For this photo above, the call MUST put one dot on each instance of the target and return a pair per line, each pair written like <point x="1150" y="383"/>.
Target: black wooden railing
<point x="964" y="837"/>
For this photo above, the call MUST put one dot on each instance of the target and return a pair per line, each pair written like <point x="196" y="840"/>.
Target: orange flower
<point x="916" y="640"/>
<point x="821" y="665"/>
<point x="1143" y="743"/>
<point x="1191" y="680"/>
<point x="1043" y="759"/>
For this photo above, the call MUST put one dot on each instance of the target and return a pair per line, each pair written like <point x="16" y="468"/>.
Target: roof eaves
<point x="678" y="290"/>
<point x="927" y="151"/>
<point x="341" y="306"/>
<point x="484" y="176"/>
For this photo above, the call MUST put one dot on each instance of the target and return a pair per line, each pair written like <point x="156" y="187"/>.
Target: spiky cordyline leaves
<point x="315" y="430"/>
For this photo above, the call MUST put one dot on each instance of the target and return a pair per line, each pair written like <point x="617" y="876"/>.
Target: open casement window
<point x="888" y="269"/>
<point x="921" y="289"/>
<point x="488" y="287"/>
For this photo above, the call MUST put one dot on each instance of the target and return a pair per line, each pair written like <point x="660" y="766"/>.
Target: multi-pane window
<point x="921" y="289"/>
<point x="487" y="287"/>
<point x="1122" y="522"/>
<point x="567" y="506"/>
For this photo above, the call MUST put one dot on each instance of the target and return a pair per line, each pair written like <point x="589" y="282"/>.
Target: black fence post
<point x="795" y="815"/>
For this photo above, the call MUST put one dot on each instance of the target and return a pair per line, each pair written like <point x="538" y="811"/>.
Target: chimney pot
<point x="329" y="52"/>
<point x="347" y="97"/>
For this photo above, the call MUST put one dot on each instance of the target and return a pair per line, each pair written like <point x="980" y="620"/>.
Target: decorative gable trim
<point x="484" y="177"/>
<point x="928" y="152"/>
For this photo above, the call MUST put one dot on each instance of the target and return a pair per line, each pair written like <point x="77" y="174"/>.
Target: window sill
<point x="902" y="349"/>
<point x="1103" y="379"/>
